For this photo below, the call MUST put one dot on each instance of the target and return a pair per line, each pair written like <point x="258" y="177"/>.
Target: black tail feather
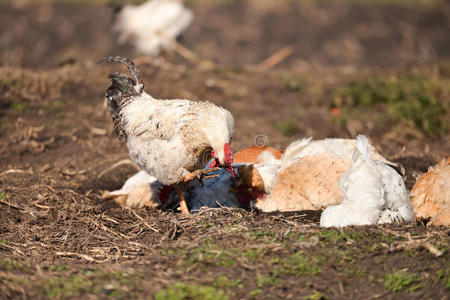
<point x="122" y="90"/>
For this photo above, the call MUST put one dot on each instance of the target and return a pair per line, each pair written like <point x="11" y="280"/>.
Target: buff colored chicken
<point x="169" y="139"/>
<point x="153" y="25"/>
<point x="309" y="174"/>
<point x="430" y="196"/>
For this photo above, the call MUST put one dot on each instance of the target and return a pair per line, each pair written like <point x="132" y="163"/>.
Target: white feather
<point x="373" y="193"/>
<point x="267" y="157"/>
<point x="342" y="148"/>
<point x="139" y="190"/>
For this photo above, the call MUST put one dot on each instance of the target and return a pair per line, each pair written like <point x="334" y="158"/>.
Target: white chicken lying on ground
<point x="153" y="25"/>
<point x="372" y="193"/>
<point x="430" y="196"/>
<point x="169" y="139"/>
<point x="309" y="173"/>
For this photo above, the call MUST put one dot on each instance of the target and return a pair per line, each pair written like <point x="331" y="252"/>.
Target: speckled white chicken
<point x="169" y="139"/>
<point x="153" y="25"/>
<point x="373" y="193"/>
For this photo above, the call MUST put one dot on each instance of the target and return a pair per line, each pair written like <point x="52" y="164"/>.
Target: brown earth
<point x="59" y="239"/>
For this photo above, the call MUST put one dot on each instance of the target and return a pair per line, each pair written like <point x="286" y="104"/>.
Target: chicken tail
<point x="362" y="146"/>
<point x="132" y="68"/>
<point x="122" y="89"/>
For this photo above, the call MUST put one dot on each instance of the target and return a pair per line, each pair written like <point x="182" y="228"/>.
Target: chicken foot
<point x="200" y="174"/>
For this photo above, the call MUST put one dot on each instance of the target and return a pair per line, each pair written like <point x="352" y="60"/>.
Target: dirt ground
<point x="59" y="239"/>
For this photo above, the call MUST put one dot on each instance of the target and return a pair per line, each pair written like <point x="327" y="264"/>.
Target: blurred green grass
<point x="417" y="99"/>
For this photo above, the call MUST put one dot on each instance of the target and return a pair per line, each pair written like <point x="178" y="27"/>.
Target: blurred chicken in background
<point x="153" y="26"/>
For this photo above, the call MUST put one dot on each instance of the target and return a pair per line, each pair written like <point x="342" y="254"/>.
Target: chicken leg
<point x="199" y="175"/>
<point x="183" y="206"/>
